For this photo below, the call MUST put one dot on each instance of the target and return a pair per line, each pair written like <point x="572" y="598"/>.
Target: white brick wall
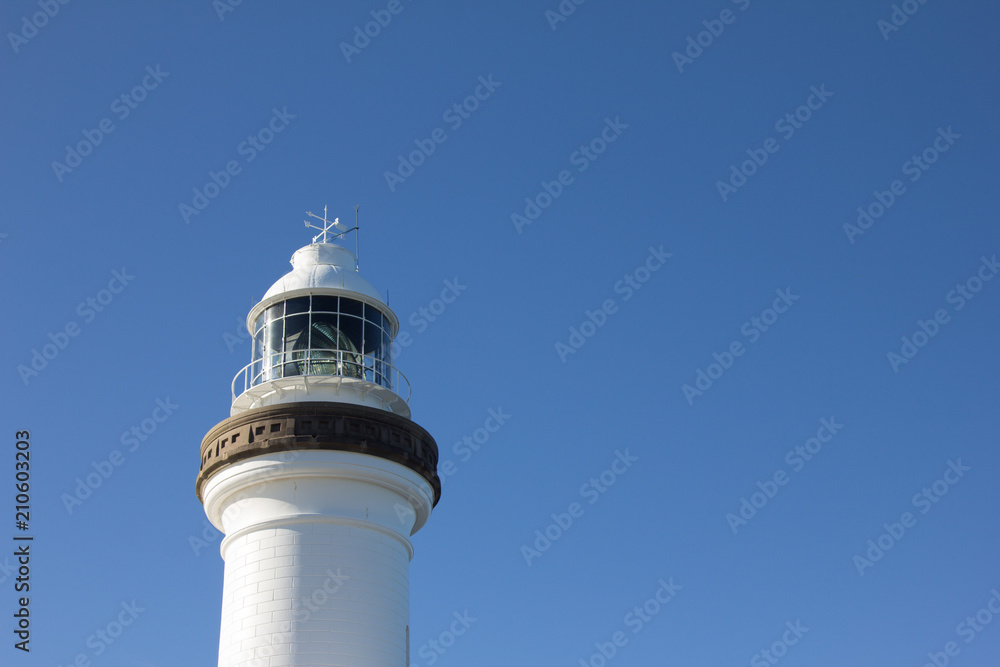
<point x="278" y="609"/>
<point x="292" y="528"/>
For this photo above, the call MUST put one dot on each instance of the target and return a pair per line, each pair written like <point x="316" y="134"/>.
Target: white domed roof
<point x="323" y="265"/>
<point x="323" y="268"/>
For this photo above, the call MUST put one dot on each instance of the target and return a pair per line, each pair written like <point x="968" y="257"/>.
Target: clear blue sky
<point x="863" y="99"/>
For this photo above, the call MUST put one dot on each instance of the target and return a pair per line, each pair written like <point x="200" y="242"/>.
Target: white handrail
<point x="349" y="364"/>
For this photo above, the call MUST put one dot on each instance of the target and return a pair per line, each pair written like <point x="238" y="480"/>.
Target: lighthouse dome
<point x="320" y="265"/>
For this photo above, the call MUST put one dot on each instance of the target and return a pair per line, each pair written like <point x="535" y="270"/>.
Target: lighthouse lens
<point x="324" y="331"/>
<point x="332" y="351"/>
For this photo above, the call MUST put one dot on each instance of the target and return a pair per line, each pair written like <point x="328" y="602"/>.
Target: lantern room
<point x="322" y="333"/>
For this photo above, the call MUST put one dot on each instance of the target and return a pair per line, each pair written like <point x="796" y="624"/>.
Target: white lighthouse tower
<point x="319" y="477"/>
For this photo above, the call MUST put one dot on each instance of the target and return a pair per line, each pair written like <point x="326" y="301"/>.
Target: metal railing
<point x="322" y="362"/>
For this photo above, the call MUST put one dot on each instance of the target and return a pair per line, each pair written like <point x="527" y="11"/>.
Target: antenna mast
<point x="329" y="226"/>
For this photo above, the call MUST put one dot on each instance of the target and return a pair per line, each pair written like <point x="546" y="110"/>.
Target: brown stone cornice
<point x="319" y="426"/>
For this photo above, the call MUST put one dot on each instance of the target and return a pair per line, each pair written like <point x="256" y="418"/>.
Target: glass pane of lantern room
<point x="386" y="347"/>
<point x="382" y="365"/>
<point x="296" y="332"/>
<point x="352" y="307"/>
<point x="323" y="332"/>
<point x="352" y="329"/>
<point x="257" y="355"/>
<point x="296" y="344"/>
<point x="352" y="332"/>
<point x="325" y="304"/>
<point x="323" y="336"/>
<point x="373" y="315"/>
<point x="273" y="336"/>
<point x="373" y="339"/>
<point x="297" y="305"/>
<point x="275" y="312"/>
<point x="258" y="345"/>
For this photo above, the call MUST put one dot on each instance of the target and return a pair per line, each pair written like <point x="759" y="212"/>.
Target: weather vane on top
<point x="327" y="230"/>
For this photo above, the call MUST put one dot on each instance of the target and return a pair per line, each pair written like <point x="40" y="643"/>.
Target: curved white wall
<point x="314" y="594"/>
<point x="317" y="558"/>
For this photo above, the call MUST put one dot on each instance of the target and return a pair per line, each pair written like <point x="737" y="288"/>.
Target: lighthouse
<point x="319" y="476"/>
